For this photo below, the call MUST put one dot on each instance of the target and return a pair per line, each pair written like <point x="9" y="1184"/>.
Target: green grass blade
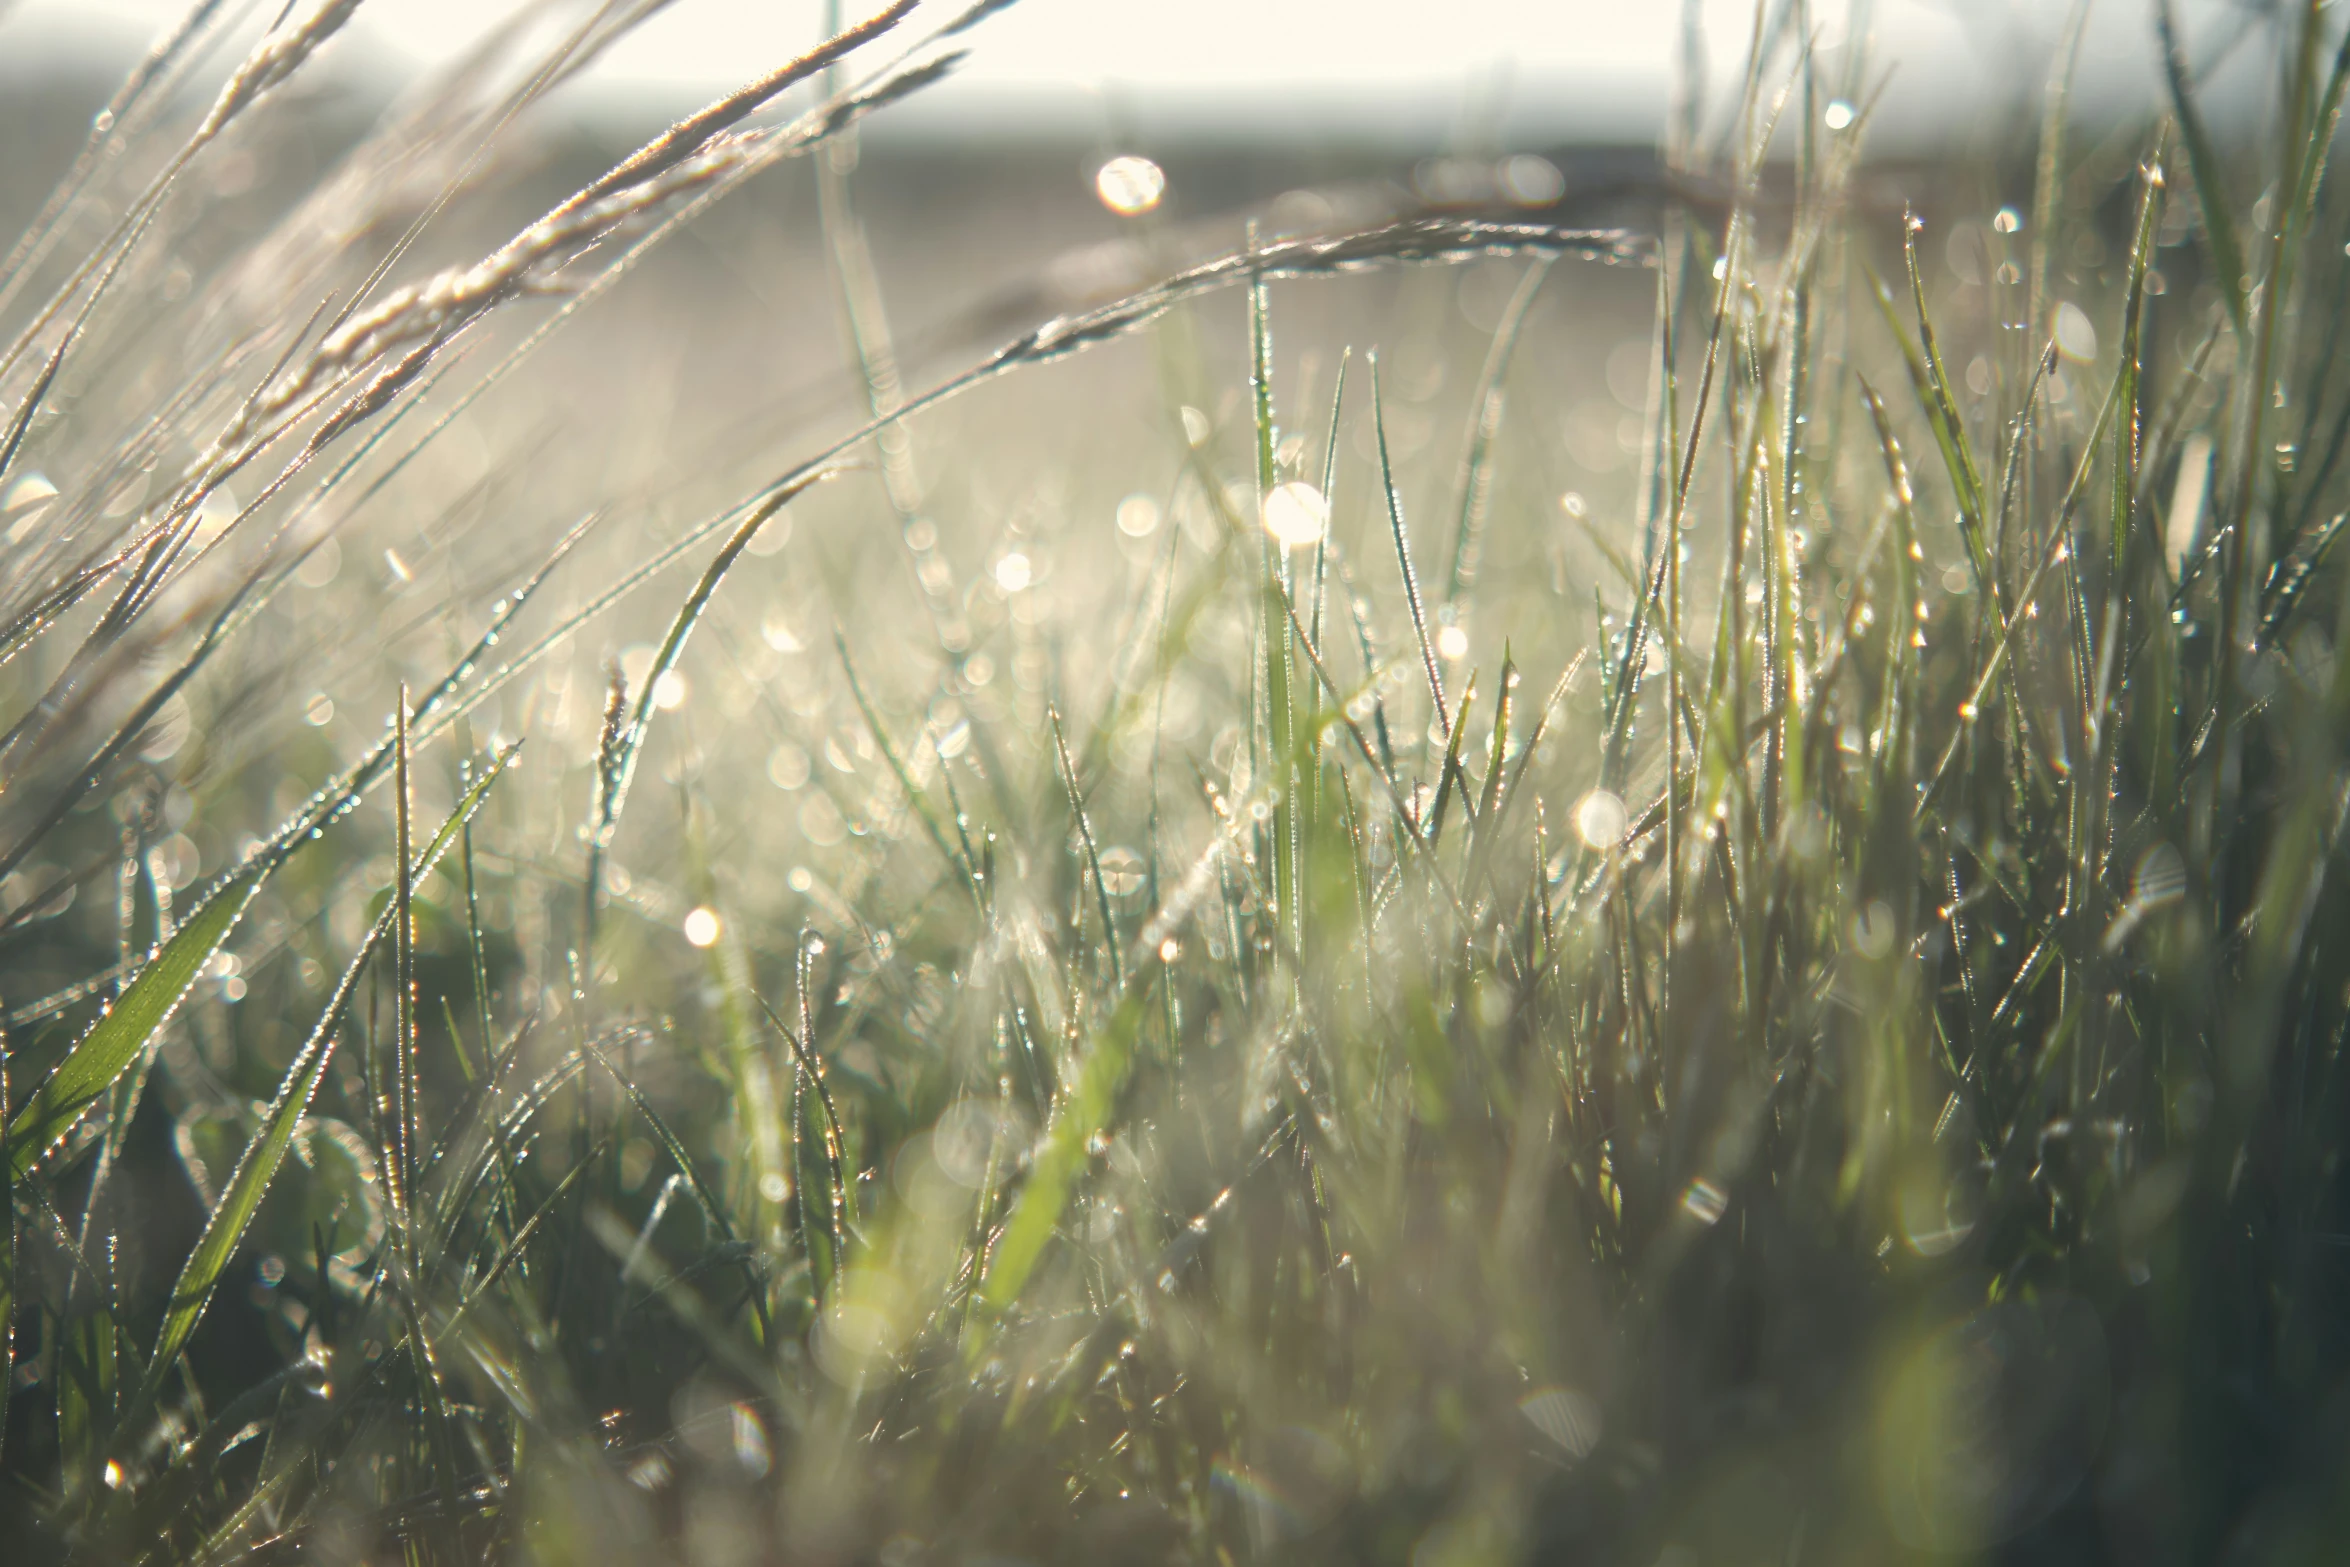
<point x="916" y="800"/>
<point x="2055" y="117"/>
<point x="520" y="1241"/>
<point x="2323" y="124"/>
<point x="1053" y="1177"/>
<point x="1329" y="501"/>
<point x="1403" y="553"/>
<point x="1474" y="485"/>
<point x="630" y="741"/>
<point x="1501" y="738"/>
<point x="7" y="1256"/>
<point x="2129" y="432"/>
<point x="2057" y="551"/>
<point x="2289" y="581"/>
<point x="224" y="1228"/>
<point x="2211" y="186"/>
<point x="1280" y="714"/>
<point x="400" y="1187"/>
<point x="1093" y="858"/>
<point x="115" y="1040"/>
<point x="1433" y="827"/>
<point x="1958" y="453"/>
<point x="708" y="1200"/>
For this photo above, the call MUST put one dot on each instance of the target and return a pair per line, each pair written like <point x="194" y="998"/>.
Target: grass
<point x="1789" y="1010"/>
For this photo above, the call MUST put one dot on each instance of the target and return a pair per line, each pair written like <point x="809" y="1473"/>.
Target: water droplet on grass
<point x="1873" y="931"/>
<point x="1526" y="180"/>
<point x="1568" y="1418"/>
<point x="1130" y="185"/>
<point x="1138" y="516"/>
<point x="319" y="567"/>
<point x="772" y="536"/>
<point x="1296" y="514"/>
<point x="1122" y="871"/>
<point x="26" y="496"/>
<point x="1599" y="817"/>
<point x="1705" y="1202"/>
<point x="750" y="1441"/>
<point x="787" y="767"/>
<point x="2076" y="336"/>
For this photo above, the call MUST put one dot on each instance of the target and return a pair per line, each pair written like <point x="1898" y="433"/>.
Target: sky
<point x="1559" y="67"/>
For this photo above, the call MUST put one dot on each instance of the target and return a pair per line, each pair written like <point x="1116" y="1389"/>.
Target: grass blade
<point x="1053" y="1177"/>
<point x="1433" y="827"/>
<point x="1403" y="554"/>
<point x="401" y="1185"/>
<point x="7" y="1254"/>
<point x="1475" y="482"/>
<point x="2055" y="117"/>
<point x="1329" y="488"/>
<point x="1093" y="858"/>
<point x="1280" y="718"/>
<point x="628" y="743"/>
<point x="224" y="1228"/>
<point x="1958" y="453"/>
<point x="2211" y="186"/>
<point x="116" y="1039"/>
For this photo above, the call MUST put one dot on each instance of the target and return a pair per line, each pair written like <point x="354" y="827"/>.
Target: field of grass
<point x="1402" y="885"/>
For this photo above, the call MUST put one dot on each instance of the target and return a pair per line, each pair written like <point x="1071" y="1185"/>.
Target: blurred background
<point x="1083" y="148"/>
<point x="1296" y="73"/>
<point x="982" y="198"/>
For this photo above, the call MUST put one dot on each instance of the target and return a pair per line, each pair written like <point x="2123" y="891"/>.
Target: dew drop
<point x="1138" y="516"/>
<point x="1130" y="185"/>
<point x="1296" y="514"/>
<point x="1122" y="871"/>
<point x="1599" y="817"/>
